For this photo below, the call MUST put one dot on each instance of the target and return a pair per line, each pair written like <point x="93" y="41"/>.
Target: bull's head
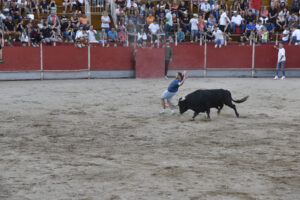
<point x="182" y="104"/>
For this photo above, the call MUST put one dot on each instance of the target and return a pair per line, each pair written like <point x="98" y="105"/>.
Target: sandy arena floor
<point x="104" y="140"/>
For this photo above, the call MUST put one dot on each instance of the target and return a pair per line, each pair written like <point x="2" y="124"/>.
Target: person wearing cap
<point x="194" y="27"/>
<point x="236" y="21"/>
<point x="185" y="22"/>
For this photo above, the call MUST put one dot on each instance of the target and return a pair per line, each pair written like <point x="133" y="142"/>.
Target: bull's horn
<point x="182" y="99"/>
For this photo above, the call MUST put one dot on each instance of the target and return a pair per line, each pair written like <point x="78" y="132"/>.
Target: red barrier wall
<point x="150" y="63"/>
<point x="21" y="59"/>
<point x="266" y="56"/>
<point x="65" y="58"/>
<point x="187" y="57"/>
<point x="231" y="56"/>
<point x="113" y="58"/>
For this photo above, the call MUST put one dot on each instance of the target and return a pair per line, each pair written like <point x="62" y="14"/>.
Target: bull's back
<point x="209" y="97"/>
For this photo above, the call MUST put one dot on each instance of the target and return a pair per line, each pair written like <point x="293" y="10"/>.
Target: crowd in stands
<point x="151" y="21"/>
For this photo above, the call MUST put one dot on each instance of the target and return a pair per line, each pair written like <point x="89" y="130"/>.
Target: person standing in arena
<point x="171" y="91"/>
<point x="281" y="61"/>
<point x="168" y="57"/>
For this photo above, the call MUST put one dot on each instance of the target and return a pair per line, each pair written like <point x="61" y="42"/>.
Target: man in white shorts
<point x="171" y="91"/>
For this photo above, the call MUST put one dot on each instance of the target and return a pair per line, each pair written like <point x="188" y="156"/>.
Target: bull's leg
<point x="231" y="105"/>
<point x="195" y="114"/>
<point x="220" y="108"/>
<point x="208" y="112"/>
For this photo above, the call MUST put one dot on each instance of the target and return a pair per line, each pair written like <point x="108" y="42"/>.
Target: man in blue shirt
<point x="171" y="91"/>
<point x="180" y="35"/>
<point x="270" y="28"/>
<point x="113" y="36"/>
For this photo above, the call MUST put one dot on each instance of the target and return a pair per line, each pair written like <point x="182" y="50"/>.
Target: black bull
<point x="203" y="100"/>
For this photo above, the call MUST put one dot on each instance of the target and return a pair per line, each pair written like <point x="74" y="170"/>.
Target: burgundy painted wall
<point x="112" y="58"/>
<point x="21" y="59"/>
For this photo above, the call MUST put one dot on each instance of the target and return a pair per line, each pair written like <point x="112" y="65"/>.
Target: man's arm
<point x="182" y="81"/>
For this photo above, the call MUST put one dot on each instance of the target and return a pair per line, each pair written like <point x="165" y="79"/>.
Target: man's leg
<point x="166" y="66"/>
<point x="163" y="103"/>
<point x="233" y="28"/>
<point x="282" y="69"/>
<point x="171" y="106"/>
<point x="277" y="69"/>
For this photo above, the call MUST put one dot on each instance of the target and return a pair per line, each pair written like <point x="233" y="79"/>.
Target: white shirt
<point x="223" y="19"/>
<point x="103" y="25"/>
<point x="285" y="38"/>
<point x="237" y="19"/>
<point x="194" y="24"/>
<point x="218" y="34"/>
<point x="142" y="36"/>
<point x="281" y="53"/>
<point x="79" y="34"/>
<point x="205" y="7"/>
<point x="92" y="35"/>
<point x="296" y="33"/>
<point x="259" y="28"/>
<point x="154" y="28"/>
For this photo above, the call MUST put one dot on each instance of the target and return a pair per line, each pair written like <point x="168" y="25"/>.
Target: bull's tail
<point x="240" y="100"/>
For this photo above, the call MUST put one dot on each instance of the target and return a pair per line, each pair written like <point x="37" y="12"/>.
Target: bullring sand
<point x="104" y="140"/>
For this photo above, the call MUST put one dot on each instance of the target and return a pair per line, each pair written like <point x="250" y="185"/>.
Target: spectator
<point x="180" y="36"/>
<point x="105" y="21"/>
<point x="273" y="13"/>
<point x="194" y="27"/>
<point x="224" y="21"/>
<point x="174" y="7"/>
<point x="84" y="21"/>
<point x="236" y="21"/>
<point x="215" y="9"/>
<point x="160" y="14"/>
<point x="154" y="31"/>
<point x="78" y="4"/>
<point x="264" y="35"/>
<point x="249" y="32"/>
<point x="270" y="28"/>
<point x="69" y="34"/>
<point x="44" y="6"/>
<point x="68" y="3"/>
<point x="92" y="34"/>
<point x="211" y="21"/>
<point x="113" y="36"/>
<point x="264" y="13"/>
<point x="46" y="34"/>
<point x="185" y="22"/>
<point x="205" y="9"/>
<point x="9" y="30"/>
<point x="169" y="23"/>
<point x="176" y="22"/>
<point x="223" y="6"/>
<point x="182" y="8"/>
<point x="142" y="38"/>
<point x="285" y="35"/>
<point x="141" y="22"/>
<point x="280" y="22"/>
<point x="209" y="34"/>
<point x="35" y="37"/>
<point x="295" y="37"/>
<point x="285" y="13"/>
<point x="81" y="37"/>
<point x="52" y="19"/>
<point x="295" y="6"/>
<point x="149" y="7"/>
<point x="259" y="28"/>
<point x="25" y="38"/>
<point x="122" y="36"/>
<point x="103" y="36"/>
<point x="219" y="37"/>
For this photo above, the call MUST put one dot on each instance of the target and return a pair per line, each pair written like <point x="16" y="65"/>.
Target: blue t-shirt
<point x="173" y="87"/>
<point x="250" y="26"/>
<point x="269" y="27"/>
<point x="113" y="35"/>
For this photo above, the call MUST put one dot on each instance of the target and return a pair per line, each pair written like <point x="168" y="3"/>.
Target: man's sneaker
<point x="216" y="45"/>
<point x="276" y="77"/>
<point x="166" y="77"/>
<point x="220" y="45"/>
<point x="283" y="77"/>
<point x="172" y="112"/>
<point x="162" y="111"/>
